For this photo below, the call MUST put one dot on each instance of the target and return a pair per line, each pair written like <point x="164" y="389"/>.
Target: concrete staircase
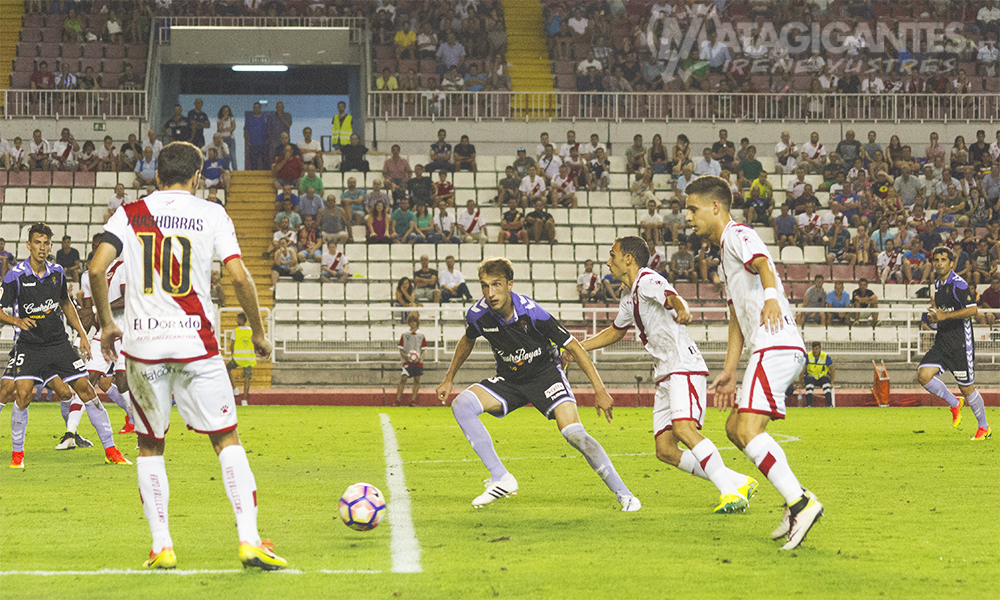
<point x="250" y="204"/>
<point x="527" y="51"/>
<point x="10" y="32"/>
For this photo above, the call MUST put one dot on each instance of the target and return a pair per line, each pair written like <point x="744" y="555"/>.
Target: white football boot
<point x="505" y="486"/>
<point x="629" y="503"/>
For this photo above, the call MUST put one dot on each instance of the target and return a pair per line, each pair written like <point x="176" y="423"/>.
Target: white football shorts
<point x="768" y="375"/>
<point x="679" y="397"/>
<point x="97" y="364"/>
<point x="200" y="388"/>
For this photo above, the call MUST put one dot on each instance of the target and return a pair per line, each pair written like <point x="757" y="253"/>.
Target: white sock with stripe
<point x="715" y="468"/>
<point x="241" y="488"/>
<point x="597" y="458"/>
<point x="771" y="460"/>
<point x="18" y="426"/>
<point x="99" y="418"/>
<point x="155" y="493"/>
<point x="75" y="413"/>
<point x="689" y="464"/>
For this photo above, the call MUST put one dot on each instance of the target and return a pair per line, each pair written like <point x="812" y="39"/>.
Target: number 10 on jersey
<point x="173" y="283"/>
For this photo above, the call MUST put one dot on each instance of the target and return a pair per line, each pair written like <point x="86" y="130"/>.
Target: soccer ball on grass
<point x="362" y="507"/>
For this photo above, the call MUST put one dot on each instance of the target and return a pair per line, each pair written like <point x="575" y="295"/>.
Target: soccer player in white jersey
<point x="659" y="315"/>
<point x="109" y="377"/>
<point x="168" y="240"/>
<point x="759" y="317"/>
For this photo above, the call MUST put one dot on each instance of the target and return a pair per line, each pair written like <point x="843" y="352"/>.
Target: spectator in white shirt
<point x="153" y="143"/>
<point x="651" y="223"/>
<point x="578" y="24"/>
<point x="708" y="165"/>
<point x="797" y="186"/>
<point x="117" y="199"/>
<point x="15" y="156"/>
<point x="590" y="61"/>
<point x="107" y="156"/>
<point x="219" y="143"/>
<point x="549" y="164"/>
<point x="813" y="154"/>
<point x="588" y="284"/>
<point x="452" y="282"/>
<point x="445" y="225"/>
<point x="571" y="143"/>
<point x="589" y="151"/>
<point x="311" y="150"/>
<point x="333" y="264"/>
<point x="563" y="190"/>
<point x="472" y="224"/>
<point x="786" y="153"/>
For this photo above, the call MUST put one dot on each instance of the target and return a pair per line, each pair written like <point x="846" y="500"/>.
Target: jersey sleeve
<point x="656" y="289"/>
<point x="8" y="292"/>
<point x="117" y="227"/>
<point x="553" y="329"/>
<point x="963" y="296"/>
<point x="746" y="245"/>
<point x="226" y="245"/>
<point x="624" y="319"/>
<point x="85" y="285"/>
<point x="471" y="329"/>
<point x="400" y="342"/>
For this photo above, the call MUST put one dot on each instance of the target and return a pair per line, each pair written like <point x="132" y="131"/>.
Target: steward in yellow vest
<point x="819" y="371"/>
<point x="342" y="127"/>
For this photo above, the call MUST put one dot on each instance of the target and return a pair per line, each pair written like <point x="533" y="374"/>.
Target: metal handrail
<point x="355" y="25"/>
<point x="681" y="106"/>
<point x="67" y="104"/>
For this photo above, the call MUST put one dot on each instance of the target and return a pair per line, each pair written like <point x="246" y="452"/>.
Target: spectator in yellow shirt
<point x="386" y="82"/>
<point x="406" y="40"/>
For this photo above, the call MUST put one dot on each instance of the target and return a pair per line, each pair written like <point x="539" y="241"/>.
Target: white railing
<point x="899" y="335"/>
<point x="686" y="106"/>
<point x="355" y="25"/>
<point x="104" y="104"/>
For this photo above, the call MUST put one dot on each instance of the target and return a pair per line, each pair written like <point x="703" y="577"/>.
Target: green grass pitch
<point x="911" y="512"/>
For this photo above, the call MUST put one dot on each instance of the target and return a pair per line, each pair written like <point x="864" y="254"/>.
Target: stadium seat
<point x="814" y="254"/>
<point x="286" y="290"/>
<point x="895" y="291"/>
<point x="356" y="291"/>
<point x="401" y="253"/>
<point x="822" y="269"/>
<point x="791" y="255"/>
<point x="516" y="252"/>
<point x="333" y="292"/>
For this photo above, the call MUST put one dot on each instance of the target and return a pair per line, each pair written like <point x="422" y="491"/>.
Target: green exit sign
<point x="100" y="126"/>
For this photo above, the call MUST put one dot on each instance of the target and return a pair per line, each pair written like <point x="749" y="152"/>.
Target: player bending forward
<point x="759" y="317"/>
<point x="36" y="291"/>
<point x="659" y="315"/>
<point x="168" y="240"/>
<point x="524" y="338"/>
<point x="953" y="308"/>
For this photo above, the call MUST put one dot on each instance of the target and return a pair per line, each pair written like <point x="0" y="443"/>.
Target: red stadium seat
<point x="823" y="270"/>
<point x="48" y="50"/>
<point x="138" y="52"/>
<point x="797" y="272"/>
<point x="869" y="272"/>
<point x="34" y="21"/>
<point x="844" y="273"/>
<point x="72" y="50"/>
<point x="3" y="179"/>
<point x="114" y="51"/>
<point x="52" y="35"/>
<point x="20" y="179"/>
<point x="688" y="291"/>
<point x="41" y="179"/>
<point x="85" y="179"/>
<point x="707" y="291"/>
<point x="62" y="179"/>
<point x="31" y="35"/>
<point x="93" y="50"/>
<point x="799" y="290"/>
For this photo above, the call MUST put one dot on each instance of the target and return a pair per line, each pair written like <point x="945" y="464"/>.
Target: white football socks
<point x="771" y="460"/>
<point x="939" y="389"/>
<point x="75" y="413"/>
<point x="689" y="464"/>
<point x="715" y="468"/>
<point x="99" y="418"/>
<point x="242" y="491"/>
<point x="155" y="493"/>
<point x="18" y="426"/>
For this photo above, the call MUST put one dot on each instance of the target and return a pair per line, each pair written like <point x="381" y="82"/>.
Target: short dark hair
<point x="178" y="163"/>
<point x="863" y="280"/>
<point x="40" y="228"/>
<point x="635" y="246"/>
<point x="814" y="344"/>
<point x="241" y="317"/>
<point x="714" y="187"/>
<point x="66" y="237"/>
<point x="943" y="250"/>
<point x="497" y="267"/>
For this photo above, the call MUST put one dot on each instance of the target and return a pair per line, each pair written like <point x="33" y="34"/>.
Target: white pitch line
<point x="180" y="572"/>
<point x="788" y="438"/>
<point x="404" y="544"/>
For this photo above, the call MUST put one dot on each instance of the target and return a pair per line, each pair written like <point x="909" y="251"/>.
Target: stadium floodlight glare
<point x="261" y="68"/>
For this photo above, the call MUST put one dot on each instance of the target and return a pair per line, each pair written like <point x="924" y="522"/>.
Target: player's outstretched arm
<point x="725" y="383"/>
<point x="770" y="315"/>
<point x="462" y="352"/>
<point x="680" y="306"/>
<point x="103" y="256"/>
<point x="246" y="295"/>
<point x="607" y="337"/>
<point x="602" y="399"/>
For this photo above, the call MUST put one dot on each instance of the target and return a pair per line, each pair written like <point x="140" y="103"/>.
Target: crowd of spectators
<point x="439" y="45"/>
<point x="616" y="46"/>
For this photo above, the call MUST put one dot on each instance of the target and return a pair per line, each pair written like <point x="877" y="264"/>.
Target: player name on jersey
<point x="165" y="222"/>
